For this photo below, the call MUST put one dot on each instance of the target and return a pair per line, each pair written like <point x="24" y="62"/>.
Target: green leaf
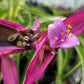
<point x="50" y="18"/>
<point x="81" y="38"/>
<point x="3" y="14"/>
<point x="72" y="70"/>
<point x="17" y="8"/>
<point x="38" y="11"/>
<point x="68" y="56"/>
<point x="21" y="19"/>
<point x="10" y="10"/>
<point x="80" y="51"/>
<point x="27" y="10"/>
<point x="17" y="62"/>
<point x="61" y="12"/>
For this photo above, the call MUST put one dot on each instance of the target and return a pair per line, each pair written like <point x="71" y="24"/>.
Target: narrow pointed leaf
<point x="11" y="25"/>
<point x="77" y="22"/>
<point x="7" y="28"/>
<point x="36" y="69"/>
<point x="4" y="50"/>
<point x="9" y="71"/>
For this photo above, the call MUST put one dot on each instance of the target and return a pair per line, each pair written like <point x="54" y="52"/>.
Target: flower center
<point x="64" y="35"/>
<point x="23" y="39"/>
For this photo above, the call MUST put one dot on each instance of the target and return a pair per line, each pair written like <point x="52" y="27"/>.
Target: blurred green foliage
<point x="18" y="11"/>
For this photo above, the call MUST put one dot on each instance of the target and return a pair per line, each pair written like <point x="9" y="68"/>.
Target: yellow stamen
<point x="69" y="26"/>
<point x="61" y="33"/>
<point x="68" y="31"/>
<point x="71" y="34"/>
<point x="56" y="38"/>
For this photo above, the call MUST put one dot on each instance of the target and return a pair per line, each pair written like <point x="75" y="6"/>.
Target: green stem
<point x="80" y="52"/>
<point x="10" y="10"/>
<point x="83" y="72"/>
<point x="72" y="71"/>
<point x="15" y="13"/>
<point x="59" y="80"/>
<point x="60" y="62"/>
<point x="27" y="10"/>
<point x="66" y="58"/>
<point x="17" y="58"/>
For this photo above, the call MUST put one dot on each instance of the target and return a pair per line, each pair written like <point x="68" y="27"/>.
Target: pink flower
<point x="60" y="34"/>
<point x="13" y="39"/>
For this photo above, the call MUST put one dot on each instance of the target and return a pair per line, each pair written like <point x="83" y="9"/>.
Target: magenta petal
<point x="9" y="71"/>
<point x="54" y="30"/>
<point x="6" y="50"/>
<point x="7" y="28"/>
<point x="36" y="24"/>
<point x="53" y="43"/>
<point x="77" y="22"/>
<point x="6" y="46"/>
<point x="42" y="36"/>
<point x="11" y="25"/>
<point x="70" y="42"/>
<point x="36" y="69"/>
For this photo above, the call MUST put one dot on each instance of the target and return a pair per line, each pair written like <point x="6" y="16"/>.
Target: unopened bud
<point x="12" y="37"/>
<point x="25" y="38"/>
<point x="19" y="43"/>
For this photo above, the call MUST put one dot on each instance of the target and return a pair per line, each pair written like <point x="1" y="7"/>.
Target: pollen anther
<point x="56" y="38"/>
<point x="68" y="31"/>
<point x="69" y="26"/>
<point x="71" y="34"/>
<point x="61" y="33"/>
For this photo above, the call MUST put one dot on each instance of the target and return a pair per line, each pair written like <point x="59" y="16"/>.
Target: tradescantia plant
<point x="14" y="39"/>
<point x="60" y="34"/>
